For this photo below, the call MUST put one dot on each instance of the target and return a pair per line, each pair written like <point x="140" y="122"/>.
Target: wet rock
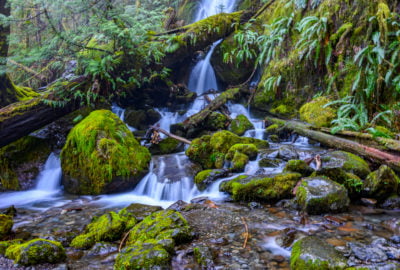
<point x="139" y="211"/>
<point x="347" y="161"/>
<point x="369" y="201"/>
<point x="381" y="183"/>
<point x="240" y="125"/>
<point x="108" y="227"/>
<point x="392" y="225"/>
<point x="141" y="119"/>
<point x="203" y="256"/>
<point x="336" y="174"/>
<point x="36" y="251"/>
<point x="167" y="146"/>
<point x="288" y="152"/>
<point x="392" y="202"/>
<point x="299" y="166"/>
<point x="216" y="121"/>
<point x="178" y="206"/>
<point x="269" y="162"/>
<point x="318" y="195"/>
<point x="254" y="205"/>
<point x="266" y="189"/>
<point x="102" y="156"/>
<point x="367" y="253"/>
<point x="102" y="249"/>
<point x="6" y="224"/>
<point x="204" y="178"/>
<point x="313" y="253"/>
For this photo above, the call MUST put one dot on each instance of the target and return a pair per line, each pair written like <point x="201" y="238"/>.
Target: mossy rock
<point x="108" y="227"/>
<point x="381" y="183"/>
<point x="204" y="178"/>
<point x="315" y="113"/>
<point x="161" y="225"/>
<point x="21" y="161"/>
<point x="269" y="162"/>
<point x="209" y="151"/>
<point x="288" y="152"/>
<point x="240" y="125"/>
<point x="102" y="156"/>
<point x="36" y="251"/>
<point x="284" y="110"/>
<point x="347" y="161"/>
<point x="240" y="154"/>
<point x="336" y="174"/>
<point x="149" y="254"/>
<point x="299" y="166"/>
<point x="151" y="242"/>
<point x="317" y="195"/>
<point x="167" y="146"/>
<point x="139" y="211"/>
<point x="141" y="119"/>
<point x="312" y="253"/>
<point x="6" y="224"/>
<point x="239" y="162"/>
<point x="353" y="184"/>
<point x="263" y="189"/>
<point x="6" y="244"/>
<point x="216" y="121"/>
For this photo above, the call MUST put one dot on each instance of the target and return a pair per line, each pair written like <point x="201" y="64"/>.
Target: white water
<point x="211" y="7"/>
<point x="120" y="112"/>
<point x="48" y="185"/>
<point x="259" y="129"/>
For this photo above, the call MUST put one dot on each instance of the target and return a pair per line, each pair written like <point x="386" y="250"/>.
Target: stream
<point x="50" y="213"/>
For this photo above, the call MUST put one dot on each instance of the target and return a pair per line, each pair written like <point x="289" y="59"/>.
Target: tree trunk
<point x="373" y="154"/>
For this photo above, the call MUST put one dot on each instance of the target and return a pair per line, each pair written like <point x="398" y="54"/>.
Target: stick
<point x="246" y="233"/>
<point x="186" y="141"/>
<point x="124" y="239"/>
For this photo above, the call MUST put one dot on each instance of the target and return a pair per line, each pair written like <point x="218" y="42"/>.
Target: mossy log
<point x="371" y="153"/>
<point x="218" y="102"/>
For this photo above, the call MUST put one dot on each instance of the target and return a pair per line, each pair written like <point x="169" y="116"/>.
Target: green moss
<point x="344" y="28"/>
<point x="166" y="146"/>
<point x="201" y="177"/>
<point x="99" y="149"/>
<point x="249" y="150"/>
<point x="226" y="186"/>
<point x="203" y="256"/>
<point x="352" y="163"/>
<point x="283" y="110"/>
<point x="336" y="174"/>
<point x="108" y="227"/>
<point x="353" y="184"/>
<point x="216" y="121"/>
<point x="187" y="10"/>
<point x="315" y="113"/>
<point x="36" y="251"/>
<point x="6" y="224"/>
<point x="269" y="189"/>
<point x="381" y="183"/>
<point x="299" y="166"/>
<point x="6" y="244"/>
<point x="239" y="162"/>
<point x="272" y="129"/>
<point x="240" y="125"/>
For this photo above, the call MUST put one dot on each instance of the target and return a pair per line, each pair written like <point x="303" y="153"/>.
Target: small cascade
<point x="48" y="185"/>
<point x="203" y="76"/>
<point x="211" y="7"/>
<point x="259" y="129"/>
<point x="167" y="119"/>
<point x="120" y="112"/>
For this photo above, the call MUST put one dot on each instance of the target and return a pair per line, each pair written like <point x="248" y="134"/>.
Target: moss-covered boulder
<point x="216" y="121"/>
<point x="299" y="166"/>
<point x="209" y="151"/>
<point x="167" y="146"/>
<point x="240" y="125"/>
<point x="240" y="154"/>
<point x="381" y="183"/>
<point x="151" y="242"/>
<point x="108" y="227"/>
<point x="204" y="178"/>
<point x="36" y="251"/>
<point x="20" y="162"/>
<point x="315" y="113"/>
<point x="6" y="224"/>
<point x="347" y="161"/>
<point x="6" y="244"/>
<point x="336" y="174"/>
<point x="102" y="156"/>
<point x="314" y="254"/>
<point x="317" y="195"/>
<point x="138" y="211"/>
<point x="264" y="189"/>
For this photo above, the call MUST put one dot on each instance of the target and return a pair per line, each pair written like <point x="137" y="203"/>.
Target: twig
<point x="246" y="233"/>
<point x="124" y="240"/>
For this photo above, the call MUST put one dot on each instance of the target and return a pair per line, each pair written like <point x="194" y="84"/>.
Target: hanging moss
<point x="99" y="151"/>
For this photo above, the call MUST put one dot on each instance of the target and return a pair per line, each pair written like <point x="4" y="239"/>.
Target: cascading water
<point x="211" y="7"/>
<point x="48" y="185"/>
<point x="120" y="112"/>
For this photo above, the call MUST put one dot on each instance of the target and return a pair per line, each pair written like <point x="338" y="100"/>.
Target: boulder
<point x="240" y="125"/>
<point x="317" y="195"/>
<point x="346" y="161"/>
<point x="288" y="152"/>
<point x="102" y="156"/>
<point x="209" y="151"/>
<point x="167" y="146"/>
<point x="204" y="178"/>
<point x="240" y="154"/>
<point x="299" y="166"/>
<point x="6" y="224"/>
<point x="141" y="119"/>
<point x="381" y="183"/>
<point x="36" y="251"/>
<point x="263" y="189"/>
<point x="313" y="253"/>
<point x="216" y="121"/>
<point x="316" y="114"/>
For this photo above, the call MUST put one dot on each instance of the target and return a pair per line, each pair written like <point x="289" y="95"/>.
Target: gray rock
<point x="368" y="253"/>
<point x="288" y="152"/>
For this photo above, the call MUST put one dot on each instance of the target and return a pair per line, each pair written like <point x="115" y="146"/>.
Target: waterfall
<point x="211" y="7"/>
<point x="48" y="185"/>
<point x="259" y="129"/>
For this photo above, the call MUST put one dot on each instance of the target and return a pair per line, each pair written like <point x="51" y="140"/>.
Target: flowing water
<point x="211" y="7"/>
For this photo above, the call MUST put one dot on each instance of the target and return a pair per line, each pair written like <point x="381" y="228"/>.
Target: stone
<point x="240" y="125"/>
<point x="299" y="166"/>
<point x="287" y="152"/>
<point x="313" y="253"/>
<point x="317" y="195"/>
<point x="204" y="178"/>
<point x="348" y="162"/>
<point x="203" y="256"/>
<point x="381" y="183"/>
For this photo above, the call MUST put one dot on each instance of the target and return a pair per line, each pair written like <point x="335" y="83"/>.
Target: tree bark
<point x="373" y="154"/>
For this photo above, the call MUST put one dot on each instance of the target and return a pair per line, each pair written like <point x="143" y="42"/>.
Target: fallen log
<point x="196" y="119"/>
<point x="373" y="154"/>
<point x="176" y="137"/>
